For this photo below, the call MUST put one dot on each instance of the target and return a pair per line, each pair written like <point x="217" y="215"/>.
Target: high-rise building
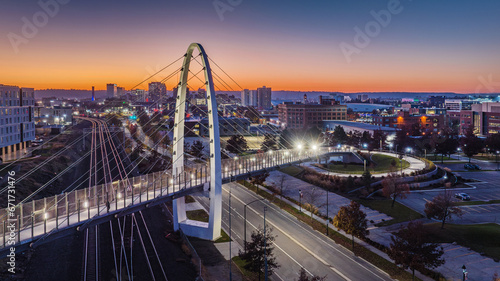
<point x="111" y="90"/>
<point x="249" y="97"/>
<point x="156" y="91"/>
<point x="264" y="98"/>
<point x="93" y="94"/>
<point x="245" y="97"/>
<point x="120" y="91"/>
<point x="17" y="127"/>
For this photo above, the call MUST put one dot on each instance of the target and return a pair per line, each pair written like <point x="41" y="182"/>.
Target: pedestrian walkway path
<point x="415" y="165"/>
<point x="318" y="196"/>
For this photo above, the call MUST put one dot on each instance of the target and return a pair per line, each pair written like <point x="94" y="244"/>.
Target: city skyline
<point x="450" y="46"/>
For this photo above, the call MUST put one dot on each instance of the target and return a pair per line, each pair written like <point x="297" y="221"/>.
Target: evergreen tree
<point x="258" y="250"/>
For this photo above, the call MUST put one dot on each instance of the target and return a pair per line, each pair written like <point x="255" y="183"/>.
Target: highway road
<point x="297" y="245"/>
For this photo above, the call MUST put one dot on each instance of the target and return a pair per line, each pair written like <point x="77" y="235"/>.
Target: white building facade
<point x="17" y="127"/>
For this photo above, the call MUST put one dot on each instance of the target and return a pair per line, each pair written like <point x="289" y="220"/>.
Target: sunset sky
<point x="427" y="46"/>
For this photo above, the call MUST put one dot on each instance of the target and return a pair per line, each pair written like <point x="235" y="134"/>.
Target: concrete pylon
<point x="212" y="229"/>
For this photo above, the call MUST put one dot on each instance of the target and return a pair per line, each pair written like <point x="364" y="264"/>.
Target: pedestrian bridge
<point x="36" y="222"/>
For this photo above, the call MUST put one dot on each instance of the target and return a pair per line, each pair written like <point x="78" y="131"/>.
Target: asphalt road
<point x="297" y="245"/>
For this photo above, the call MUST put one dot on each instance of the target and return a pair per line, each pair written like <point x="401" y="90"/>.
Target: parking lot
<point x="487" y="188"/>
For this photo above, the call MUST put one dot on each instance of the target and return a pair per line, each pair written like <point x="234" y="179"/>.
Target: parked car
<point x="470" y="166"/>
<point x="462" y="196"/>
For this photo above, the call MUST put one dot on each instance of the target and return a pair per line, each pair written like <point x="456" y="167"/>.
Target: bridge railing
<point x="83" y="204"/>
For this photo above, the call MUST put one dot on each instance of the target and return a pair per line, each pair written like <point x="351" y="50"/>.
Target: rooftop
<point x="363" y="126"/>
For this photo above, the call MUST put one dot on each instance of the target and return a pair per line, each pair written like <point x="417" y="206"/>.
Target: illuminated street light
<point x="365" y="145"/>
<point x="299" y="146"/>
<point x="86" y="204"/>
<point x="314" y="147"/>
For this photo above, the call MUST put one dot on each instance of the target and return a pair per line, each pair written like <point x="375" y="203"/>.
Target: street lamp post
<point x="245" y="224"/>
<point x="464" y="272"/>
<point x="498" y="169"/>
<point x="265" y="246"/>
<point x="230" y="236"/>
<point x="327" y="217"/>
<point x="300" y="200"/>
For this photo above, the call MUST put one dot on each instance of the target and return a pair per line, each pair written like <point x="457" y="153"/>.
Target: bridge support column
<point x="212" y="230"/>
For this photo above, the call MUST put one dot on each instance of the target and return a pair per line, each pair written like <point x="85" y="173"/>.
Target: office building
<point x="264" y="98"/>
<point x="486" y="118"/>
<point x="156" y="91"/>
<point x="111" y="90"/>
<point x="56" y="115"/>
<point x="437" y="101"/>
<point x="303" y="116"/>
<point x="429" y="123"/>
<point x="120" y="91"/>
<point x="249" y="97"/>
<point x="17" y="127"/>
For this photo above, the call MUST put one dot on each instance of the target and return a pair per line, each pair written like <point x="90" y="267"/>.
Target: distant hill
<point x="277" y="94"/>
<point x="70" y="94"/>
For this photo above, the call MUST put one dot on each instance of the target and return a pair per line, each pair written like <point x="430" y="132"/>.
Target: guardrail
<point x="28" y="220"/>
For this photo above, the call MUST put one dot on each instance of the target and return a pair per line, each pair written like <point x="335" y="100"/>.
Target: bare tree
<point x="442" y="207"/>
<point x="280" y="183"/>
<point x="393" y="187"/>
<point x="411" y="248"/>
<point x="312" y="197"/>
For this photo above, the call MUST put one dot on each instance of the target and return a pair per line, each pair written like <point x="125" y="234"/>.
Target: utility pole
<point x="230" y="237"/>
<point x="265" y="246"/>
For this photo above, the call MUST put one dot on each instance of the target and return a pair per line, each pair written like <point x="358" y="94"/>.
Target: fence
<point x="37" y="217"/>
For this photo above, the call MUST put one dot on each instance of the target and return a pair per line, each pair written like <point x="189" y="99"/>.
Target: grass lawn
<point x="436" y="158"/>
<point x="224" y="237"/>
<point x="292" y="170"/>
<point x="487" y="158"/>
<point x="470" y="203"/>
<point x="197" y="215"/>
<point x="400" y="213"/>
<point x="241" y="263"/>
<point x="482" y="238"/>
<point x="201" y="215"/>
<point x="385" y="265"/>
<point x="383" y="165"/>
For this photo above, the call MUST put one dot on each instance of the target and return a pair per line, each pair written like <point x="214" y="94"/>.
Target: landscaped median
<point x="362" y="248"/>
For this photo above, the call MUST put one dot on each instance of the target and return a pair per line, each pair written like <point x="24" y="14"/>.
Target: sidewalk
<point x="305" y="187"/>
<point x="479" y="267"/>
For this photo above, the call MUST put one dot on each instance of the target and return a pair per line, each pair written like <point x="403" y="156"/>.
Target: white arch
<point x="197" y="229"/>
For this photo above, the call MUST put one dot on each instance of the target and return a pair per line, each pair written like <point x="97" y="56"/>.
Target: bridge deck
<point x="35" y="220"/>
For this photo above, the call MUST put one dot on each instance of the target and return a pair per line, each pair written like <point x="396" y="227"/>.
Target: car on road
<point x="462" y="196"/>
<point x="470" y="166"/>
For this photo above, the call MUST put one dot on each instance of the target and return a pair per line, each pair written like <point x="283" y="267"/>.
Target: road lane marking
<point x="275" y="244"/>
<point x="278" y="211"/>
